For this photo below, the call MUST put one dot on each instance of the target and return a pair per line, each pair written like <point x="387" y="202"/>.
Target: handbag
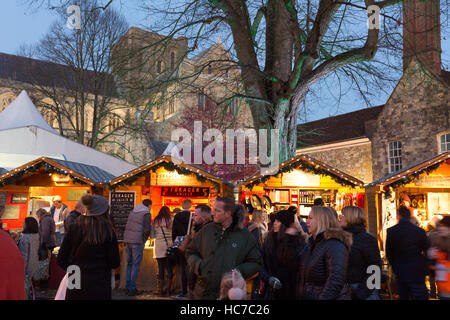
<point x="42" y="270"/>
<point x="61" y="293"/>
<point x="171" y="252"/>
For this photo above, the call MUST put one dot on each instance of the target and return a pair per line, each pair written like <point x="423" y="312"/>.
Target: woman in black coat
<point x="323" y="264"/>
<point x="91" y="244"/>
<point x="363" y="253"/>
<point x="279" y="255"/>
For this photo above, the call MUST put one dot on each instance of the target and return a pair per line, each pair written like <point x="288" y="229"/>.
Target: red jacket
<point x="12" y="282"/>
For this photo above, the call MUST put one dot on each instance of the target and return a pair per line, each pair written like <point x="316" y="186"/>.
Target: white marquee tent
<point x="25" y="136"/>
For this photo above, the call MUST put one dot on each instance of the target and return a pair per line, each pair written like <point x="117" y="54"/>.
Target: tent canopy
<point x="23" y="113"/>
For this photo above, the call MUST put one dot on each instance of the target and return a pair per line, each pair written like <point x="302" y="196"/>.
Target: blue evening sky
<point x="20" y="24"/>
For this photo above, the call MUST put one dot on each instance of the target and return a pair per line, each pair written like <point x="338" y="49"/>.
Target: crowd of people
<point x="221" y="254"/>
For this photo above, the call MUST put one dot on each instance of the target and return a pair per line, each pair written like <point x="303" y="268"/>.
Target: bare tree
<point x="78" y="85"/>
<point x="283" y="48"/>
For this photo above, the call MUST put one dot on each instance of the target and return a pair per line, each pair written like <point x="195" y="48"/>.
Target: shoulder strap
<point x="164" y="234"/>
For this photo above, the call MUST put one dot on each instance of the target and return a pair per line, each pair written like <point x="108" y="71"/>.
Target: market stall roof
<point x="414" y="169"/>
<point x="309" y="164"/>
<point x="23" y="113"/>
<point x="168" y="159"/>
<point x="78" y="171"/>
<point x="3" y="170"/>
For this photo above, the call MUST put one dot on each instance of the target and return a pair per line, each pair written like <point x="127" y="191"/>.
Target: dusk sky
<point x="21" y="24"/>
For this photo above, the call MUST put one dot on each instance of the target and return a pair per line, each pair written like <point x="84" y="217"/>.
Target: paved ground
<point x="117" y="295"/>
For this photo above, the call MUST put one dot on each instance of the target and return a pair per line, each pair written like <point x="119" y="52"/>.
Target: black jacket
<point x="47" y="231"/>
<point x="180" y="224"/>
<point x="95" y="262"/>
<point x="285" y="271"/>
<point x="363" y="253"/>
<point x="406" y="247"/>
<point x="73" y="215"/>
<point x="323" y="266"/>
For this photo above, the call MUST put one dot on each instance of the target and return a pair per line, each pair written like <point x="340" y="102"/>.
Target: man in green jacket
<point x="220" y="247"/>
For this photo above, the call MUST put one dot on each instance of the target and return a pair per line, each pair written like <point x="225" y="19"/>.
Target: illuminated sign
<point x="185" y="192"/>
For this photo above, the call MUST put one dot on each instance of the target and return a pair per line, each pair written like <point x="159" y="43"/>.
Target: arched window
<point x="209" y="69"/>
<point x="172" y="60"/>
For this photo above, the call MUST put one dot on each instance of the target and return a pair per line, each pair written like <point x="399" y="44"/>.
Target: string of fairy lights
<point x="11" y="177"/>
<point x="410" y="176"/>
<point x="309" y="165"/>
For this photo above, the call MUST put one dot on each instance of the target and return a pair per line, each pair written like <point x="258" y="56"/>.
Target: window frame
<point x="397" y="166"/>
<point x="438" y="137"/>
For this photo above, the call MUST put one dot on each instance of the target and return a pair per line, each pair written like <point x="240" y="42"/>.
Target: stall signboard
<point x="19" y="198"/>
<point x="435" y="181"/>
<point x="121" y="204"/>
<point x="300" y="179"/>
<point x="11" y="213"/>
<point x="185" y="192"/>
<point x="173" y="179"/>
<point x="75" y="195"/>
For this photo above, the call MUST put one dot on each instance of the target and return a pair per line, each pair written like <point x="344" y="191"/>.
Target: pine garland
<point x="168" y="166"/>
<point x="304" y="166"/>
<point x="387" y="189"/>
<point x="47" y="167"/>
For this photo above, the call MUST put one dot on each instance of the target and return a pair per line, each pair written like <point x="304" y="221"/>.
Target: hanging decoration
<point x="389" y="188"/>
<point x="11" y="180"/>
<point x="305" y="166"/>
<point x="168" y="166"/>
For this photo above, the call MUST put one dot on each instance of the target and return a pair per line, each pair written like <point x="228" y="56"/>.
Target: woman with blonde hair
<point x="323" y="263"/>
<point x="162" y="233"/>
<point x="363" y="253"/>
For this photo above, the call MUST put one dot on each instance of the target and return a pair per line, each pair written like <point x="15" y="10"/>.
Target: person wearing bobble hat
<point x="279" y="256"/>
<point x="91" y="244"/>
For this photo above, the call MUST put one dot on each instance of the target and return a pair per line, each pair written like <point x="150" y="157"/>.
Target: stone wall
<point x="353" y="160"/>
<point x="417" y="111"/>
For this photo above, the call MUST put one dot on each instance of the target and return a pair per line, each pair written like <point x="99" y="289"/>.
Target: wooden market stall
<point x="32" y="186"/>
<point x="166" y="182"/>
<point x="298" y="182"/>
<point x="427" y="185"/>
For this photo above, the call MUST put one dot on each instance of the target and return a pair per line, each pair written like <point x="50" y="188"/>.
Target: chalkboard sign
<point x="121" y="204"/>
<point x="3" y="198"/>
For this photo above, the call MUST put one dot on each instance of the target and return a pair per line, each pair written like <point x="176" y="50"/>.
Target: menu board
<point x="3" y="198"/>
<point x="121" y="204"/>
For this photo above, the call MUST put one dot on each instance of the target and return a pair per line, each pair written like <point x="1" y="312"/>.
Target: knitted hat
<point x="445" y="221"/>
<point x="286" y="217"/>
<point x="95" y="205"/>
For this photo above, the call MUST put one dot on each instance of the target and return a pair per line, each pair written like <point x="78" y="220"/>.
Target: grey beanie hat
<point x="95" y="205"/>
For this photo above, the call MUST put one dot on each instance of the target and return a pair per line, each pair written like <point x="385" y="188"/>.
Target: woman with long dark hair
<point x="162" y="232"/>
<point x="91" y="244"/>
<point x="29" y="247"/>
<point x="279" y="254"/>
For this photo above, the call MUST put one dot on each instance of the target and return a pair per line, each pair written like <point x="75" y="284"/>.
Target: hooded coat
<point x="47" y="231"/>
<point x="213" y="252"/>
<point x="323" y="266"/>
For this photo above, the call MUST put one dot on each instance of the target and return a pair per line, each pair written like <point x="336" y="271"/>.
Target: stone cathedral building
<point x="135" y="93"/>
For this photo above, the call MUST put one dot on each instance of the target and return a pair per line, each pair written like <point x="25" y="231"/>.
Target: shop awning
<point x="311" y="165"/>
<point x="79" y="172"/>
<point x="169" y="163"/>
<point x="412" y="171"/>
